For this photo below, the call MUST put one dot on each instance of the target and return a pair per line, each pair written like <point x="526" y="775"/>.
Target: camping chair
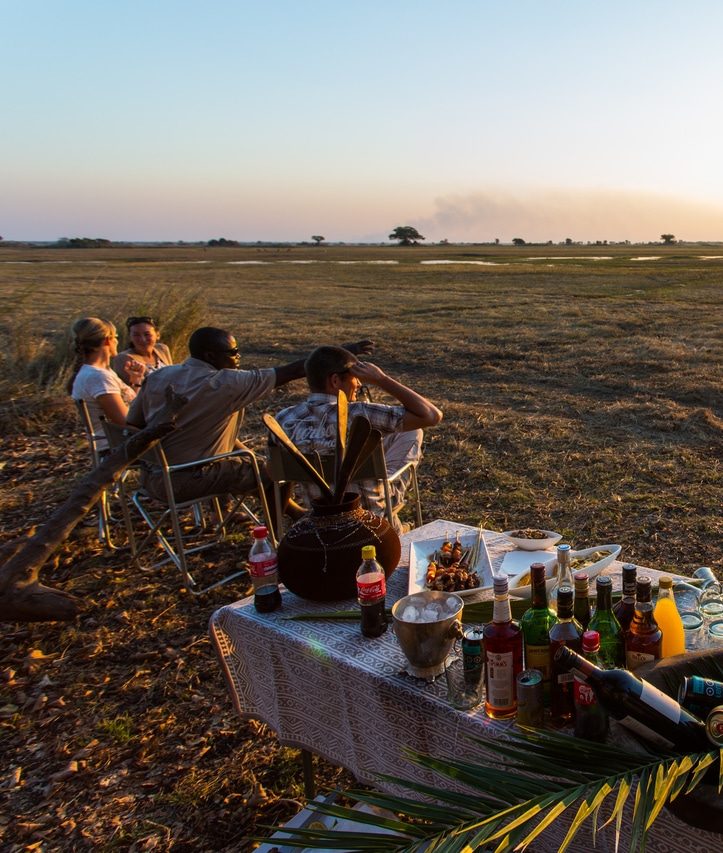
<point x="286" y="469"/>
<point x="165" y="518"/>
<point x="104" y="513"/>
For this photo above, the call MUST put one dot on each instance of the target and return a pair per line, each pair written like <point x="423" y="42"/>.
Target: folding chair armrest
<point x="184" y="466"/>
<point x="397" y="474"/>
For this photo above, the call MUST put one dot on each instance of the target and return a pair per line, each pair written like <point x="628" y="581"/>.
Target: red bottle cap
<point x="590" y="641"/>
<point x="260" y="532"/>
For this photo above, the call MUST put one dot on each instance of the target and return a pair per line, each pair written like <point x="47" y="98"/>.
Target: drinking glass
<point x="711" y="609"/>
<point x="462" y="691"/>
<point x="693" y="630"/>
<point x="715" y="633"/>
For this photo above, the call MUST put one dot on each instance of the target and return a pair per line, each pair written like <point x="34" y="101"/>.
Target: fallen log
<point x="23" y="598"/>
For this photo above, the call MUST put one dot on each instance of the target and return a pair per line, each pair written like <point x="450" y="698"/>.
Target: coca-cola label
<point x="263" y="568"/>
<point x="371" y="587"/>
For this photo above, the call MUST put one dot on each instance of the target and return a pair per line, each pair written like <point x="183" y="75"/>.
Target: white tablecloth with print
<point x="323" y="687"/>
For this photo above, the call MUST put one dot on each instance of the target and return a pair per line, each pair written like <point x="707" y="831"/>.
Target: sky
<point x="472" y="120"/>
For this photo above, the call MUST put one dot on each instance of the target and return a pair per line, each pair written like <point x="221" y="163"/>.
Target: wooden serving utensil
<point x="277" y="430"/>
<point x="342" y="417"/>
<point x="358" y="434"/>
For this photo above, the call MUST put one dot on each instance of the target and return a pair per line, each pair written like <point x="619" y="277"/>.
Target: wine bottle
<point x="612" y="644"/>
<point x="638" y="705"/>
<point x="503" y="655"/>
<point x="581" y="607"/>
<point x="624" y="610"/>
<point x="536" y="623"/>
<point x="565" y="632"/>
<point x="668" y="619"/>
<point x="643" y="639"/>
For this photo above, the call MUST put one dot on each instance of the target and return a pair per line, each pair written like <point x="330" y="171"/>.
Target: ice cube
<point x="431" y="613"/>
<point x="452" y="603"/>
<point x="409" y="614"/>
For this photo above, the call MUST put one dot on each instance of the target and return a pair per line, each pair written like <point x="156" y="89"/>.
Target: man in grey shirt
<point x="217" y="391"/>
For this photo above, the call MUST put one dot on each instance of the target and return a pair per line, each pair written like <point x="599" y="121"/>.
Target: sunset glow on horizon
<point x="472" y="121"/>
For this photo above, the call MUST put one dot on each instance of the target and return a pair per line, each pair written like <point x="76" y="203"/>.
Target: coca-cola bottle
<point x="264" y="572"/>
<point x="371" y="590"/>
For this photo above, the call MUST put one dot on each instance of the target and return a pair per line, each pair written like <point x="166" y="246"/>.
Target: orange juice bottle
<point x="668" y="619"/>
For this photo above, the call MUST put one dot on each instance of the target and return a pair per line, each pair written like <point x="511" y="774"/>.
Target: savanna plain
<point x="581" y="390"/>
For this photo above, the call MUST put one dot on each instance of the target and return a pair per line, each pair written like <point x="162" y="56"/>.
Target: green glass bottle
<point x="536" y="624"/>
<point x="604" y="621"/>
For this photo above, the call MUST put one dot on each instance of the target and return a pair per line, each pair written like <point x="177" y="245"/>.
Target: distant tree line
<point x="83" y="243"/>
<point x="222" y="241"/>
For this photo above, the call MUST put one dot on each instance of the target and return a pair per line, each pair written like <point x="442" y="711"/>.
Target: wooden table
<point x="323" y="687"/>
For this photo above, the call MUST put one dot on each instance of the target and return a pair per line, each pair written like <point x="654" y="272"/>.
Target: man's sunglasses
<point x="234" y="351"/>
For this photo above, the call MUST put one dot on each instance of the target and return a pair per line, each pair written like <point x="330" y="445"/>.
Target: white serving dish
<point x="551" y="539"/>
<point x="420" y="552"/>
<point x="551" y="565"/>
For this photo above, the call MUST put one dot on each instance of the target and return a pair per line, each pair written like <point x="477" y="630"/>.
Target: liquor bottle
<point x="612" y="644"/>
<point x="643" y="639"/>
<point x="536" y="623"/>
<point x="625" y="608"/>
<point x="638" y="705"/>
<point x="581" y="606"/>
<point x="591" y="718"/>
<point x="668" y="619"/>
<point x="564" y="574"/>
<point x="503" y="655"/>
<point x="565" y="632"/>
<point x="264" y="572"/>
<point x="371" y="587"/>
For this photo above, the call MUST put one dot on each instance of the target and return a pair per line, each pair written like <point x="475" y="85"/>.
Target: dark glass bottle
<point x="591" y="718"/>
<point x="625" y="608"/>
<point x="643" y="639"/>
<point x="563" y="576"/>
<point x="638" y="705"/>
<point x="581" y="606"/>
<point x="612" y="644"/>
<point x="565" y="632"/>
<point x="536" y="624"/>
<point x="503" y="656"/>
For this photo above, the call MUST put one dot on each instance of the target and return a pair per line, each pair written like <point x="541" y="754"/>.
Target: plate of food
<point x="589" y="560"/>
<point x="532" y="538"/>
<point x="459" y="565"/>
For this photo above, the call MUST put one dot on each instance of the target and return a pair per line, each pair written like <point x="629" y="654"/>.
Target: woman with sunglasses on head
<point x="145" y="349"/>
<point x="92" y="380"/>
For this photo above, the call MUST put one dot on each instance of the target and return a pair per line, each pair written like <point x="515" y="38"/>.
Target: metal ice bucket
<point x="427" y="644"/>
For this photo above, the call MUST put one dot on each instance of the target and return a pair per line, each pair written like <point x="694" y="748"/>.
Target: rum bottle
<point x="565" y="632"/>
<point x="503" y="656"/>
<point x="643" y="639"/>
<point x="625" y="608"/>
<point x="581" y="606"/>
<point x="564" y="574"/>
<point x="536" y="624"/>
<point x="612" y="644"/>
<point x="638" y="705"/>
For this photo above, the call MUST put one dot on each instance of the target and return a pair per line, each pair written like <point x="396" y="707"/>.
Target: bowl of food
<point x="589" y="560"/>
<point x="532" y="538"/>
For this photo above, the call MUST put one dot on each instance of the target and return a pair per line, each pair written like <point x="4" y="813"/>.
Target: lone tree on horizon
<point x="406" y="234"/>
<point x="318" y="239"/>
<point x="668" y="239"/>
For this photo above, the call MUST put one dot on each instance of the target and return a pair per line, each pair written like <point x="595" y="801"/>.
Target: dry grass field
<point x="581" y="388"/>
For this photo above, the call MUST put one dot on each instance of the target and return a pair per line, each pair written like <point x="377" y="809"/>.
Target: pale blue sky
<point x="152" y="119"/>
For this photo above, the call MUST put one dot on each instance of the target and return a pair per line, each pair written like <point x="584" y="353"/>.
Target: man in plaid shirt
<point x="311" y="425"/>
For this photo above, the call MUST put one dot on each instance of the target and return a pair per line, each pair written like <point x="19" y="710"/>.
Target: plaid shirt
<point x="311" y="425"/>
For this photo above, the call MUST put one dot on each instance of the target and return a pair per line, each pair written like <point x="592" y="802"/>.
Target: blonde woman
<point x="145" y="348"/>
<point x="105" y="393"/>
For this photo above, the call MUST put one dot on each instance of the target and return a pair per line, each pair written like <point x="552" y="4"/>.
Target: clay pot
<point x="319" y="555"/>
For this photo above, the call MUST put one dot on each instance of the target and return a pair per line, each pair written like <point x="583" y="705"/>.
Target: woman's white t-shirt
<point x="93" y="382"/>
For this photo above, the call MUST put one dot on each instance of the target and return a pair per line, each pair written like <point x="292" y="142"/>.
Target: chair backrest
<point x="94" y="438"/>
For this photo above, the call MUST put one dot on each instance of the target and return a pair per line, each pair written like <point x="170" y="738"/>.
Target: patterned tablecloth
<point x="323" y="687"/>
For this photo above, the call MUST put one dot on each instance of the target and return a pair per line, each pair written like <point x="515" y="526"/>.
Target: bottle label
<point x="500" y="679"/>
<point x="263" y="568"/>
<point x="648" y="734"/>
<point x="658" y="700"/>
<point x="538" y="657"/>
<point x="635" y="659"/>
<point x="371" y="587"/>
<point x="584" y="694"/>
<point x="565" y="677"/>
